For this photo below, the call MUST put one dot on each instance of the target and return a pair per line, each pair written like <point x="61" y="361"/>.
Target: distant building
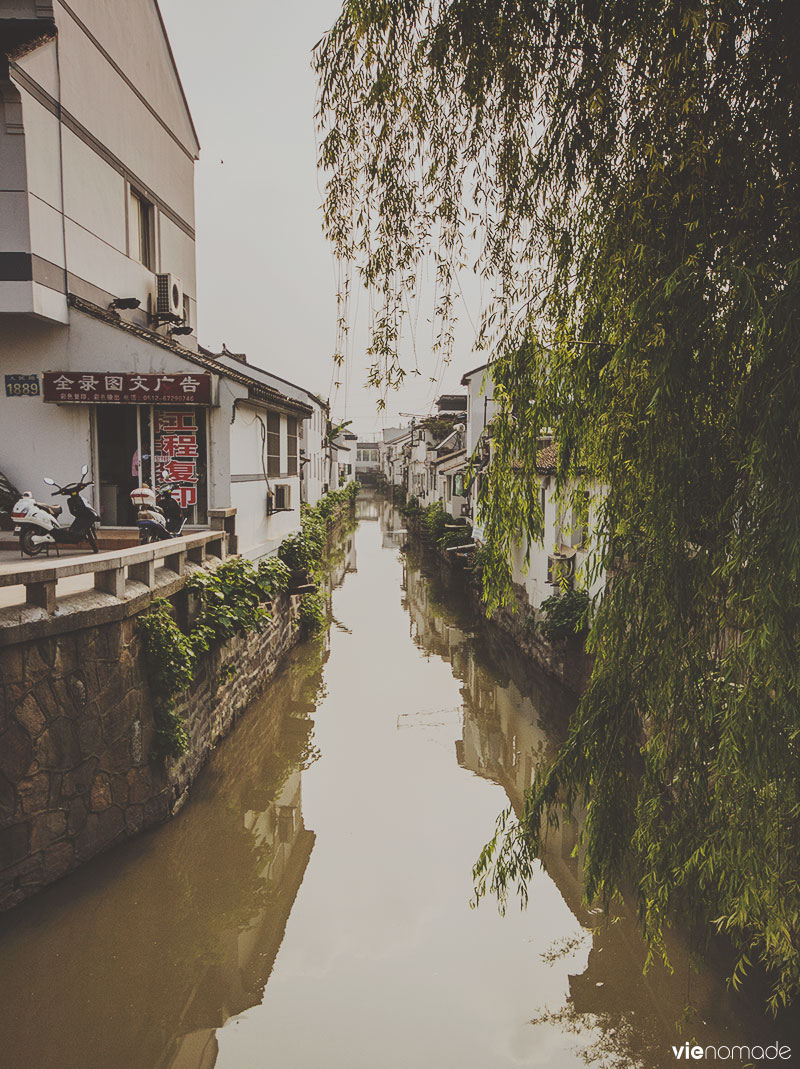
<point x="452" y="404"/>
<point x="391" y="454"/>
<point x="368" y="461"/>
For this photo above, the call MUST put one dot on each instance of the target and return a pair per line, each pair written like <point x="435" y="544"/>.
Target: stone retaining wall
<point x="77" y="773"/>
<point x="565" y="660"/>
<point x="76" y="733"/>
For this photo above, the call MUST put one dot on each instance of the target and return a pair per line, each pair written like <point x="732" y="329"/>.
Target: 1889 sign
<point x="22" y="385"/>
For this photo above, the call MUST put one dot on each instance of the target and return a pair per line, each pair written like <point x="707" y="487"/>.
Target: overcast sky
<point x="266" y="278"/>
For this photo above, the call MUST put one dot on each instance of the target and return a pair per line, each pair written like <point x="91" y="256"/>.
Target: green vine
<point x="233" y="600"/>
<point x="304" y="550"/>
<point x="313" y="616"/>
<point x="171" y="659"/>
<point x="442" y="529"/>
<point x="566" y="614"/>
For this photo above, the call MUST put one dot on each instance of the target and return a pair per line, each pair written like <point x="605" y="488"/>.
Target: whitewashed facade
<point x="98" y="306"/>
<point x="566" y="547"/>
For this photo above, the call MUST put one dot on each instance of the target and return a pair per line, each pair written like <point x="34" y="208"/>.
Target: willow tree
<point x="625" y="177"/>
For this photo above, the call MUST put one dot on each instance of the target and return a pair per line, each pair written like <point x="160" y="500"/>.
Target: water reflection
<point x="341" y="561"/>
<point x="137" y="959"/>
<point x="368" y="507"/>
<point x="235" y="937"/>
<point x="513" y="719"/>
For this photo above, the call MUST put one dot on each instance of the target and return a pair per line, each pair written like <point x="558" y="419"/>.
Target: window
<point x="580" y="519"/>
<point x="291" y="439"/>
<point x="273" y="443"/>
<point x="561" y="571"/>
<point x="140" y="230"/>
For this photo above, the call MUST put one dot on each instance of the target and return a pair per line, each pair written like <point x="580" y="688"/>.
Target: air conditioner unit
<point x="280" y="499"/>
<point x="466" y="510"/>
<point x="169" y="296"/>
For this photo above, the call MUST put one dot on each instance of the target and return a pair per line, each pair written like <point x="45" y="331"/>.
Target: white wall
<point x="135" y="130"/>
<point x="47" y="439"/>
<point x="258" y="532"/>
<point x="316" y="473"/>
<point x="559" y="531"/>
<point x="480" y="407"/>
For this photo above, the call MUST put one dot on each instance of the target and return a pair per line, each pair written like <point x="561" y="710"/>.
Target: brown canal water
<point x="310" y="906"/>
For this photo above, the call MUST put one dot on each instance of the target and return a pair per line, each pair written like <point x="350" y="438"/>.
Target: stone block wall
<point x="229" y="679"/>
<point x="76" y="734"/>
<point x="565" y="660"/>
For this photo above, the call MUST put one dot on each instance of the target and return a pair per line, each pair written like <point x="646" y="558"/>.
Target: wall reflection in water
<point x="138" y="958"/>
<point x="513" y="720"/>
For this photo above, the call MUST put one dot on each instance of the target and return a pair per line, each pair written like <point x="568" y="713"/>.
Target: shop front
<point x="146" y="428"/>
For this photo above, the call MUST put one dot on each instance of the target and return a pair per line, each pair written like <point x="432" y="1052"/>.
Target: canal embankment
<point x="563" y="659"/>
<point x="83" y="761"/>
<point x="310" y="904"/>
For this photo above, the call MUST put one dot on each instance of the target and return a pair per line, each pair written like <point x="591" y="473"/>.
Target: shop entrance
<point x="151" y="444"/>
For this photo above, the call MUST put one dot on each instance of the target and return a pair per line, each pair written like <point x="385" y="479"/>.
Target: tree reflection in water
<point x="514" y="718"/>
<point x="136" y="961"/>
<point x="196" y="910"/>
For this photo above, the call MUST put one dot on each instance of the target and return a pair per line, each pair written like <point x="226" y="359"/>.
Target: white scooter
<point x="37" y="524"/>
<point x="160" y="516"/>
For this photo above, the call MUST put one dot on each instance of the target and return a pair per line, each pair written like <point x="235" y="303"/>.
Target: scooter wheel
<point x="27" y="544"/>
<point x="92" y="540"/>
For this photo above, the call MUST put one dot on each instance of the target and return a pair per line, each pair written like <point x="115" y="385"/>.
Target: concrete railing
<point x="128" y="575"/>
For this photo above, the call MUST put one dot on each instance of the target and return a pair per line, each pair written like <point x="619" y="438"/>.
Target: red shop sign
<point x="82" y="387"/>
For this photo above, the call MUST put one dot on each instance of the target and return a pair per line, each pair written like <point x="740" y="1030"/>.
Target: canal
<point x="310" y="906"/>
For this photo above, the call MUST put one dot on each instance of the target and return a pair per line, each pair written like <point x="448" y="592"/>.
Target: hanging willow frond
<point x="628" y="174"/>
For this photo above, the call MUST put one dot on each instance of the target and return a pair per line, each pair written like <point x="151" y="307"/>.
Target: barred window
<point x="291" y="439"/>
<point x="273" y="443"/>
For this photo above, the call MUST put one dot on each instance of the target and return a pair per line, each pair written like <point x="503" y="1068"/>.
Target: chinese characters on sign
<point x="177" y="453"/>
<point x="22" y="385"/>
<point x="98" y="387"/>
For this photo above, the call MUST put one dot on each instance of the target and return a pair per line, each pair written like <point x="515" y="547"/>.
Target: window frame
<point x="292" y="457"/>
<point x="141" y="225"/>
<point x="273" y="443"/>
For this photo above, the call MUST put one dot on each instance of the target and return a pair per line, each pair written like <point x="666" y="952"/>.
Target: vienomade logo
<point x="739" y="1052"/>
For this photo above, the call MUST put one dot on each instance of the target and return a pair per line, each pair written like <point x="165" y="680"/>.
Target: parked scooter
<point x="37" y="524"/>
<point x="160" y="516"/>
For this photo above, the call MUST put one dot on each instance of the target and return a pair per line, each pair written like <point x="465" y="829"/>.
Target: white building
<point x="318" y="470"/>
<point x="565" y="550"/>
<point x="345" y="445"/>
<point x="564" y="555"/>
<point x="392" y="466"/>
<point x="368" y="461"/>
<point x="97" y="286"/>
<point x="452" y="469"/>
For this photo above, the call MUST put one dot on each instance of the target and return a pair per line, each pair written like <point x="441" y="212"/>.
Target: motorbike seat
<point x="54" y="510"/>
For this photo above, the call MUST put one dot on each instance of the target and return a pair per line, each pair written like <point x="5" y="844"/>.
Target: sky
<point x="266" y="274"/>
